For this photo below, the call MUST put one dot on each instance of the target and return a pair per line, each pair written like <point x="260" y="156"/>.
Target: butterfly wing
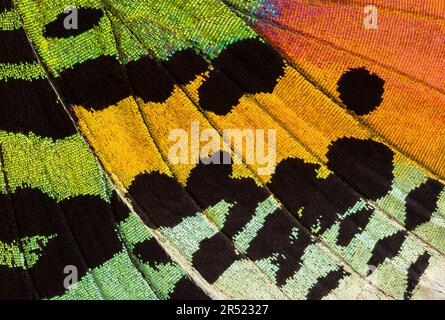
<point x="61" y="220"/>
<point x="344" y="197"/>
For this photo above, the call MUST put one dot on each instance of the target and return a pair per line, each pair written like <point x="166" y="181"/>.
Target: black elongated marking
<point x="84" y="235"/>
<point x="118" y="207"/>
<point x="249" y="66"/>
<point x="365" y="165"/>
<point x="5" y="5"/>
<point x="211" y="183"/>
<point x="15" y="283"/>
<point x="167" y="203"/>
<point x="185" y="65"/>
<point x="38" y="214"/>
<point x="87" y="18"/>
<point x="276" y="239"/>
<point x="421" y="203"/>
<point x="387" y="248"/>
<point x="32" y="106"/>
<point x="149" y="251"/>
<point x="415" y="272"/>
<point x="92" y="225"/>
<point x="219" y="94"/>
<point x="95" y="84"/>
<point x="326" y="285"/>
<point x="214" y="257"/>
<point x="149" y="80"/>
<point x="185" y="289"/>
<point x="15" y="47"/>
<point x="352" y="225"/>
<point x="163" y="198"/>
<point x="360" y="90"/>
<point x="310" y="199"/>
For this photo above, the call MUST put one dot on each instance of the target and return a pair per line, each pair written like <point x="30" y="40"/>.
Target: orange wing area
<point x="326" y="40"/>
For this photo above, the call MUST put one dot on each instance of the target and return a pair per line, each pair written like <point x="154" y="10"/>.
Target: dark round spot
<point x="219" y="94"/>
<point x="296" y="184"/>
<point x="326" y="284"/>
<point x="32" y="106"/>
<point x="150" y="252"/>
<point x="352" y="225"/>
<point x="162" y="198"/>
<point x="149" y="80"/>
<point x="214" y="257"/>
<point x="365" y="165"/>
<point x="360" y="90"/>
<point x="249" y="66"/>
<point x="95" y="84"/>
<point x="87" y="18"/>
<point x="185" y="65"/>
<point x="185" y="289"/>
<point x="209" y="183"/>
<point x="415" y="272"/>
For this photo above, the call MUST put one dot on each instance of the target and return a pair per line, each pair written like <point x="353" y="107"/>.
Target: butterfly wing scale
<point x="350" y="191"/>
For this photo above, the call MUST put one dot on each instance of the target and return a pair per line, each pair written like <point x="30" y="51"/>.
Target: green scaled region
<point x="24" y="253"/>
<point x="62" y="169"/>
<point x="164" y="27"/>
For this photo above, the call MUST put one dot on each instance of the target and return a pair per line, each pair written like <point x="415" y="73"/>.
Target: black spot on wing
<point x="85" y="235"/>
<point x="163" y="198"/>
<point x="167" y="203"/>
<point x="360" y="90"/>
<point x="149" y="80"/>
<point x="219" y="94"/>
<point x="118" y="207"/>
<point x="211" y="183"/>
<point x="415" y="272"/>
<point x="95" y="84"/>
<point x="92" y="225"/>
<point x="185" y="289"/>
<point x="296" y="184"/>
<point x="365" y="165"/>
<point x="5" y="5"/>
<point x="352" y="225"/>
<point x="151" y="252"/>
<point x="387" y="248"/>
<point x="249" y="66"/>
<point x="214" y="257"/>
<point x="87" y="19"/>
<point x="326" y="285"/>
<point x="32" y="106"/>
<point x="15" y="47"/>
<point x="185" y="65"/>
<point x="276" y="239"/>
<point x="15" y="283"/>
<point x="421" y="203"/>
